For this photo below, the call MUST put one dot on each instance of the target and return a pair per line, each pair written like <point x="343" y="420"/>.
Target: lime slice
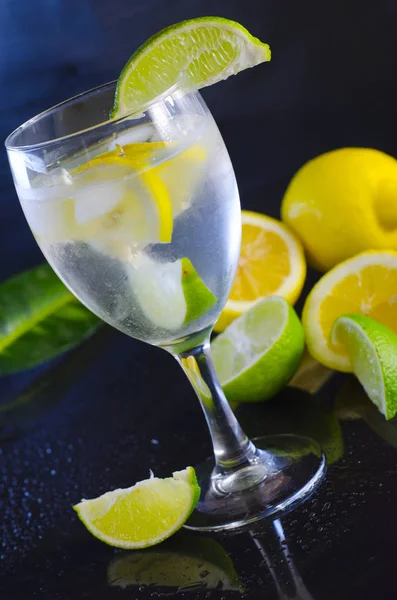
<point x="144" y="514"/>
<point x="206" y="49"/>
<point x="372" y="349"/>
<point x="170" y="294"/>
<point x="259" y="352"/>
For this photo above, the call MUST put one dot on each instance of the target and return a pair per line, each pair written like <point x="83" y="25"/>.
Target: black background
<point x="86" y="423"/>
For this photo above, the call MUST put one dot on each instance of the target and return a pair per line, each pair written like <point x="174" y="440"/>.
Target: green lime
<point x="187" y="564"/>
<point x="206" y="49"/>
<point x="144" y="514"/>
<point x="372" y="350"/>
<point x="199" y="299"/>
<point x="259" y="352"/>
<point x="170" y="294"/>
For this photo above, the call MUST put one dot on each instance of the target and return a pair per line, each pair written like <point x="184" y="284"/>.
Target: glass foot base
<point x="285" y="470"/>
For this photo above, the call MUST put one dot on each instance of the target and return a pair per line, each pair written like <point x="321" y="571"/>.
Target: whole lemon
<point x="341" y="203"/>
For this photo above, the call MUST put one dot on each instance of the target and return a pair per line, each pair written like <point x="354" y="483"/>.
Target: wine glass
<point x="140" y="218"/>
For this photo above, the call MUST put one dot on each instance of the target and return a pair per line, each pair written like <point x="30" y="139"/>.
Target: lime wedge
<point x="206" y="49"/>
<point x="372" y="350"/>
<point x="170" y="294"/>
<point x="259" y="352"/>
<point x="143" y="515"/>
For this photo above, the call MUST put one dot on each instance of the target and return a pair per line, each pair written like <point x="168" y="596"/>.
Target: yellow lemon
<point x="342" y="203"/>
<point x="271" y="263"/>
<point x="365" y="284"/>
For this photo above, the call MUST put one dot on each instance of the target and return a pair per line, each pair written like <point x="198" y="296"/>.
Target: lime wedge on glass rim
<point x="143" y="515"/>
<point x="259" y="352"/>
<point x="206" y="50"/>
<point x="372" y="350"/>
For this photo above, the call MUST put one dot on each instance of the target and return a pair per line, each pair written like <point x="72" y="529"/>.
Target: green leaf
<point x="39" y="319"/>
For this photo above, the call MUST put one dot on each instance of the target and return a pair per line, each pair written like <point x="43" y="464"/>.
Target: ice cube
<point x="177" y="128"/>
<point x="142" y="133"/>
<point x="158" y="288"/>
<point x="92" y="203"/>
<point x="48" y="219"/>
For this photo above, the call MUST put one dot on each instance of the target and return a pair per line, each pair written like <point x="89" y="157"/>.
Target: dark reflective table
<point x="108" y="412"/>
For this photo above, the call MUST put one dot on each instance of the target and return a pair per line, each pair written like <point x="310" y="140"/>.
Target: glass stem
<point x="232" y="448"/>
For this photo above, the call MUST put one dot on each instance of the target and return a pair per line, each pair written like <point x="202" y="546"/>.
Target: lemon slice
<point x="113" y="190"/>
<point x="207" y="49"/>
<point x="144" y="514"/>
<point x="115" y="205"/>
<point x="143" y="150"/>
<point x="271" y="263"/>
<point x="180" y="173"/>
<point x="365" y="284"/>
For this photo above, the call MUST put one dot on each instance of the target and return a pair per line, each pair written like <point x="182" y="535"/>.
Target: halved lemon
<point x="271" y="263"/>
<point x="366" y="285"/>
